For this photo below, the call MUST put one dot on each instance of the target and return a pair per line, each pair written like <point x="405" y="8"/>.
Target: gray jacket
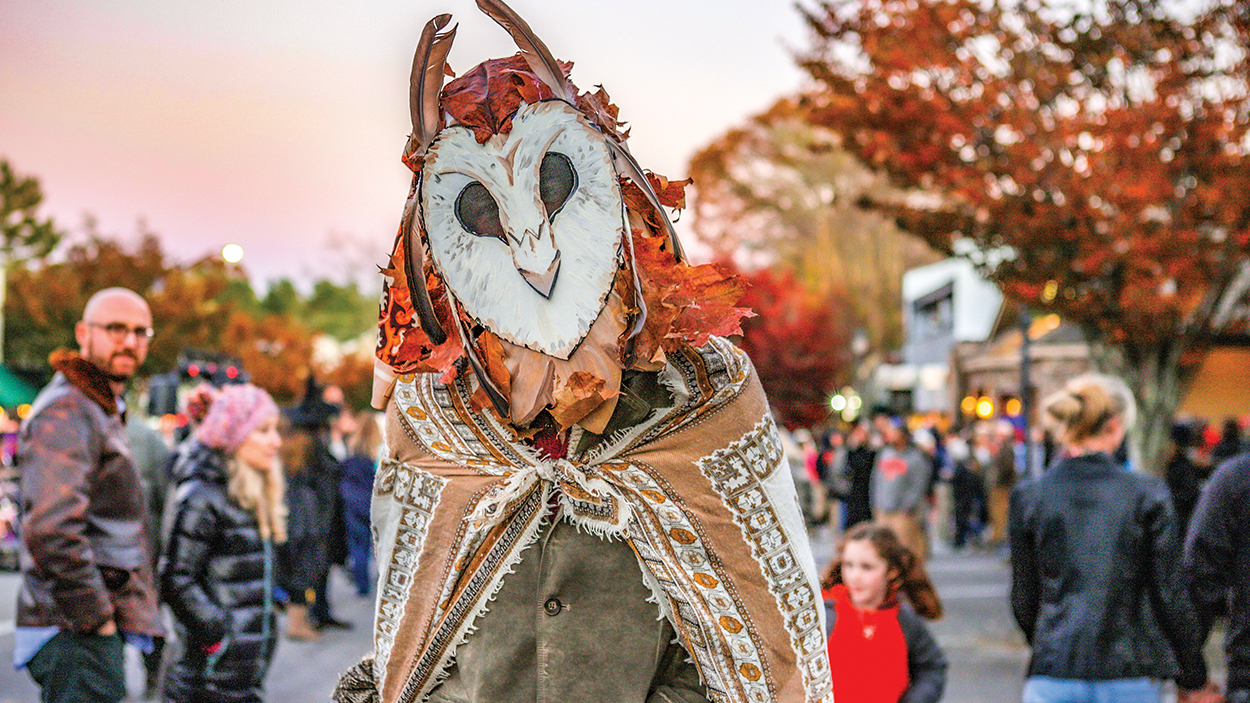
<point x="900" y="479"/>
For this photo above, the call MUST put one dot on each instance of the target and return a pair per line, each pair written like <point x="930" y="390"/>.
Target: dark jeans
<point x="73" y="668"/>
<point x="359" y="541"/>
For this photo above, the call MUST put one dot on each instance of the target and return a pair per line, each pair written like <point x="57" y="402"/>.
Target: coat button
<point x="552" y="606"/>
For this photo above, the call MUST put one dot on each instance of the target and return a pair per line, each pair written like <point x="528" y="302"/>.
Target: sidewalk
<point x="302" y="672"/>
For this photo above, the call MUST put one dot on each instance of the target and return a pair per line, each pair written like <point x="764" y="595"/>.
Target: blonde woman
<point x="1095" y="555"/>
<point x="217" y="572"/>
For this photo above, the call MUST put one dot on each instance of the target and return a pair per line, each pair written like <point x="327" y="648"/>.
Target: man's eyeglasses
<point x="118" y="331"/>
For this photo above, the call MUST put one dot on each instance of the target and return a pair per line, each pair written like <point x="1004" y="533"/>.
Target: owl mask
<point x="533" y="249"/>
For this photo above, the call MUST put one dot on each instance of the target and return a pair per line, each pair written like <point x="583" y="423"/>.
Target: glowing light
<point x="1050" y="290"/>
<point x="193" y="370"/>
<point x="968" y="405"/>
<point x="23" y="411"/>
<point x="838" y="403"/>
<point x="985" y="407"/>
<point x="1013" y="407"/>
<point x="232" y="372"/>
<point x="232" y="253"/>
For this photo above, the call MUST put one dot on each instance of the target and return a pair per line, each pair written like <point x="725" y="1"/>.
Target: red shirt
<point x="867" y="652"/>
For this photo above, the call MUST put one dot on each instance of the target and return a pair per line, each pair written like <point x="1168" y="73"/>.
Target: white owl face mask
<point x="516" y="252"/>
<point x="526" y="228"/>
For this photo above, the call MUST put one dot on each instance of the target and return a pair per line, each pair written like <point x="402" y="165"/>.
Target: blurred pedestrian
<point x="1095" y="555"/>
<point x="860" y="457"/>
<point x="1230" y="444"/>
<point x="152" y="459"/>
<point x="1184" y="474"/>
<point x="968" y="493"/>
<point x="900" y="487"/>
<point x="1217" y="566"/>
<point x="314" y="521"/>
<point x="363" y="451"/>
<point x="879" y="647"/>
<point x="86" y="557"/>
<point x="1000" y="478"/>
<point x="218" y="568"/>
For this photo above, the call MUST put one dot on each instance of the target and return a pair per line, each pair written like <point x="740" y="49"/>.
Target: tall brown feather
<point x="532" y="48"/>
<point x="414" y="270"/>
<point x="634" y="171"/>
<point x="428" y="67"/>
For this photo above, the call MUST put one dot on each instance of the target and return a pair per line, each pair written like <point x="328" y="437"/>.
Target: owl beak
<point x="544" y="281"/>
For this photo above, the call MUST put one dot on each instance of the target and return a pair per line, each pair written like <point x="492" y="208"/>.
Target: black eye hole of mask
<point x="556" y="182"/>
<point x="478" y="212"/>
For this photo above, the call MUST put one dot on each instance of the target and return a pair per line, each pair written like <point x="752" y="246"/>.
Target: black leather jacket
<point x="1096" y="586"/>
<point x="217" y="577"/>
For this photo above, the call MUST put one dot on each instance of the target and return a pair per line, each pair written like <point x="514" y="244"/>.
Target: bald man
<point x="86" y="558"/>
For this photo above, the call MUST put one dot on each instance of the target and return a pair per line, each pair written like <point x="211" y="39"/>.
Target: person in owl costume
<point x="583" y="496"/>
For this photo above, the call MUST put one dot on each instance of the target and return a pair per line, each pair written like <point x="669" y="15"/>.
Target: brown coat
<point x="86" y="556"/>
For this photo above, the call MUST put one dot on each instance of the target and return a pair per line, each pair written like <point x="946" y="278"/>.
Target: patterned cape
<point x="700" y="491"/>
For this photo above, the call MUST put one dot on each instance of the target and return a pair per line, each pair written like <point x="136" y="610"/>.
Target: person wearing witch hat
<point x="314" y="522"/>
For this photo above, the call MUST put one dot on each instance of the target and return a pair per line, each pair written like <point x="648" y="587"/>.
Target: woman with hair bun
<point x="217" y="569"/>
<point x="1095" y="555"/>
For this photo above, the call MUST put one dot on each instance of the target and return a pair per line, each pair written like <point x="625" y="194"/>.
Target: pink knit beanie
<point x="236" y="412"/>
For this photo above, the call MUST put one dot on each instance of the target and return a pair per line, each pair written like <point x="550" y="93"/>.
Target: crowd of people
<point x="929" y="485"/>
<point x="1116" y="580"/>
<point x="1117" y="577"/>
<point x="243" y="517"/>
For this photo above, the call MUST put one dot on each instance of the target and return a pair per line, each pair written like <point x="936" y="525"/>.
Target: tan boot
<point x="298" y="626"/>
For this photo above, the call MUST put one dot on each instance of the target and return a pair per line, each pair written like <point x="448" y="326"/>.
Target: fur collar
<point x="86" y="377"/>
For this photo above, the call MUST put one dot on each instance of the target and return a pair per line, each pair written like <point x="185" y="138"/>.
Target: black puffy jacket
<point x="1096" y="586"/>
<point x="217" y="577"/>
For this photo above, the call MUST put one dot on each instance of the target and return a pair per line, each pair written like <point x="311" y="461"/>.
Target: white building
<point x="944" y="304"/>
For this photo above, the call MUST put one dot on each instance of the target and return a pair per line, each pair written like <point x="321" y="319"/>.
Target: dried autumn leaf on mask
<point x="488" y="95"/>
<point x="598" y="108"/>
<point x="669" y="193"/>
<point x="685" y="304"/>
<point x="581" y="393"/>
<point x="402" y="343"/>
<point x="492" y="355"/>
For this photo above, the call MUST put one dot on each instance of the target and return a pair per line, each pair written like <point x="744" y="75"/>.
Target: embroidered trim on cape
<point x="740" y="473"/>
<point x="417" y="492"/>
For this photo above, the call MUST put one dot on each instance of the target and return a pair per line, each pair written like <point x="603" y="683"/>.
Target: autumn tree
<point x="23" y="234"/>
<point x="798" y="342"/>
<point x="197" y="305"/>
<point x="784" y="192"/>
<point x="1091" y="157"/>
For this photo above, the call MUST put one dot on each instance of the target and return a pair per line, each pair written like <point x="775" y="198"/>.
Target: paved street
<point x="303" y="672"/>
<point x="986" y="652"/>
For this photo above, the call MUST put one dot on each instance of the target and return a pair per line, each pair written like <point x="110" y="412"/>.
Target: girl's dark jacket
<point x="216" y="576"/>
<point x="1096" y="584"/>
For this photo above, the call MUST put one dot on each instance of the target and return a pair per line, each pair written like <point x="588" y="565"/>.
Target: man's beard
<point x="106" y="366"/>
